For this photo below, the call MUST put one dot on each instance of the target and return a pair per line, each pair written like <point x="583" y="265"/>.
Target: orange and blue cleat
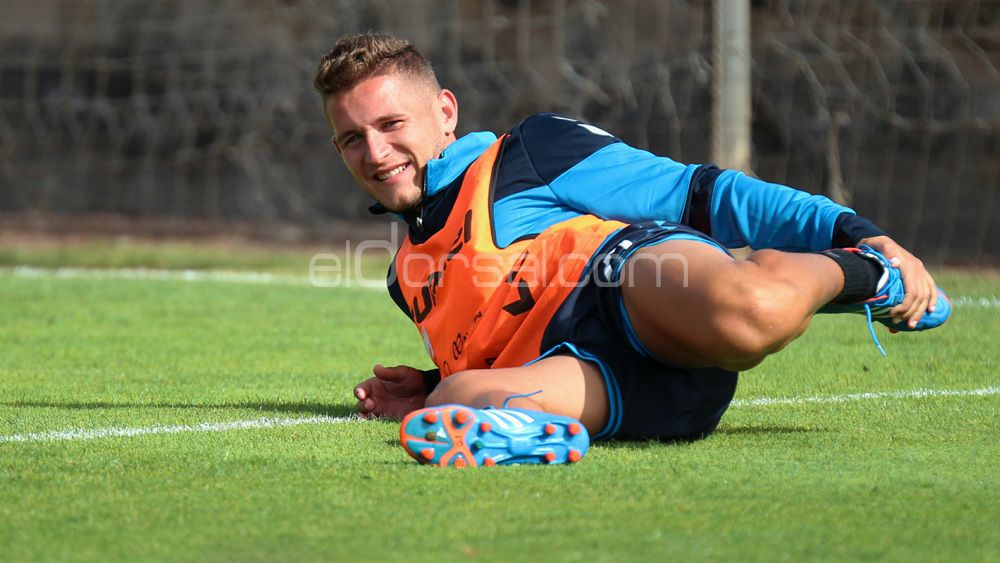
<point x="462" y="436"/>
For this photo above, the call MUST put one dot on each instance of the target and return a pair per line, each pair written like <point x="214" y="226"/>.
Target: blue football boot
<point x="890" y="294"/>
<point x="462" y="436"/>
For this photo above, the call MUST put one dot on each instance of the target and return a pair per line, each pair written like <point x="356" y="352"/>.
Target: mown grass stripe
<point x="92" y="434"/>
<point x="985" y="302"/>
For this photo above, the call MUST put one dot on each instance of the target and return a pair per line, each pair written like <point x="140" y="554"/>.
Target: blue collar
<point x="455" y="159"/>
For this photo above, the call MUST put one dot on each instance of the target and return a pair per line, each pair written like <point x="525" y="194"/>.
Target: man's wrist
<point x="851" y="230"/>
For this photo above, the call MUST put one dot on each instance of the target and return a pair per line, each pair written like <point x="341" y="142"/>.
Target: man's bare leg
<point x="689" y="303"/>
<point x="692" y="305"/>
<point x="569" y="387"/>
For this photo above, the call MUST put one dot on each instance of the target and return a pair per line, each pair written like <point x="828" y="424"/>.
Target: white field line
<point x="222" y="276"/>
<point x="911" y="394"/>
<point x="151" y="274"/>
<point x="193" y="276"/>
<point x="95" y="433"/>
<point x="92" y="434"/>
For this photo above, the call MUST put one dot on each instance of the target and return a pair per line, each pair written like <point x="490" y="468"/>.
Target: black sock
<point x="861" y="275"/>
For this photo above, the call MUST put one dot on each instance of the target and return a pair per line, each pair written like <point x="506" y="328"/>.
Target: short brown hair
<point x="357" y="57"/>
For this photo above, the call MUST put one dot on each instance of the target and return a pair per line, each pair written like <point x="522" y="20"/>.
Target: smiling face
<point x="386" y="128"/>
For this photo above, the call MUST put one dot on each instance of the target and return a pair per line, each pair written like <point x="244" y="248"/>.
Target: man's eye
<point x="351" y="140"/>
<point x="394" y="124"/>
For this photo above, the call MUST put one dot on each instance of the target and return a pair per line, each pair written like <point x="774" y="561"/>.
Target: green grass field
<point x="904" y="476"/>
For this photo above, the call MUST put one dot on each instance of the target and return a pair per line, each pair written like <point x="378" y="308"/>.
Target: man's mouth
<point x="383" y="176"/>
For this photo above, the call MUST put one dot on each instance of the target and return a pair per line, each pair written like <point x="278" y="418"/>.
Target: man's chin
<point x="402" y="208"/>
<point x="401" y="205"/>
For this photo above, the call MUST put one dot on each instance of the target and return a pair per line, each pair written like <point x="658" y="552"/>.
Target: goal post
<point x="731" y="84"/>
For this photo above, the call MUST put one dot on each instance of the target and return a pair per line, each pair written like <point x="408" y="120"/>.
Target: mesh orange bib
<point x="477" y="305"/>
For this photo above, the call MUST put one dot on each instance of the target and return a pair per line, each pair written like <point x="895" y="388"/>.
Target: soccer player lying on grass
<point x="559" y="276"/>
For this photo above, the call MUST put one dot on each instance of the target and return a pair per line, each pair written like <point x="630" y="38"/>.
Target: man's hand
<point x="921" y="292"/>
<point x="392" y="393"/>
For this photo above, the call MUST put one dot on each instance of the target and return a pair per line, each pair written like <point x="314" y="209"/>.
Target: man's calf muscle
<point x="569" y="386"/>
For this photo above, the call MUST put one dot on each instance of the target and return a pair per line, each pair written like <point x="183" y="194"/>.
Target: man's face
<point x="386" y="129"/>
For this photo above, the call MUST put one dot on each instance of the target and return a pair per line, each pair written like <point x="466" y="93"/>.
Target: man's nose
<point x="378" y="147"/>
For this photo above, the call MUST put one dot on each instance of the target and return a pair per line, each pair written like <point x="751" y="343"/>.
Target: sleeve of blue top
<point x="626" y="184"/>
<point x="758" y="214"/>
<point x="616" y="181"/>
<point x="631" y="185"/>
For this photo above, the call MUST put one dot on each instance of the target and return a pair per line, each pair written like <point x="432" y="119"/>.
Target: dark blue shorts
<point x="648" y="397"/>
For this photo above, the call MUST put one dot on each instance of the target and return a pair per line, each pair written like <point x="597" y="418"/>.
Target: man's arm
<point x="745" y="211"/>
<point x="768" y="215"/>
<point x="586" y="169"/>
<point x="626" y="184"/>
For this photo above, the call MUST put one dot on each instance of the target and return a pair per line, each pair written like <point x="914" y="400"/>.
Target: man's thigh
<point x="647" y="399"/>
<point x="677" y="294"/>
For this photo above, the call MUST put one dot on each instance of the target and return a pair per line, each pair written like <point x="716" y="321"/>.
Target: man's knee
<point x="754" y="320"/>
<point x="477" y="388"/>
<point x="453" y="389"/>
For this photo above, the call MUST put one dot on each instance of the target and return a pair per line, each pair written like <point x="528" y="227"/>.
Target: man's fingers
<point x="921" y="294"/>
<point x="393" y="392"/>
<point x="918" y="284"/>
<point x="900" y="313"/>
<point x="934" y="297"/>
<point x="914" y="315"/>
<point x="368" y="393"/>
<point x="365" y="389"/>
<point x="384" y="373"/>
<point x="396" y="373"/>
<point x="368" y="405"/>
<point x="919" y="309"/>
<point x="916" y="306"/>
<point x="366" y="408"/>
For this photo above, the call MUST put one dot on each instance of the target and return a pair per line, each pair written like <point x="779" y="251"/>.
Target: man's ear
<point x="448" y="104"/>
